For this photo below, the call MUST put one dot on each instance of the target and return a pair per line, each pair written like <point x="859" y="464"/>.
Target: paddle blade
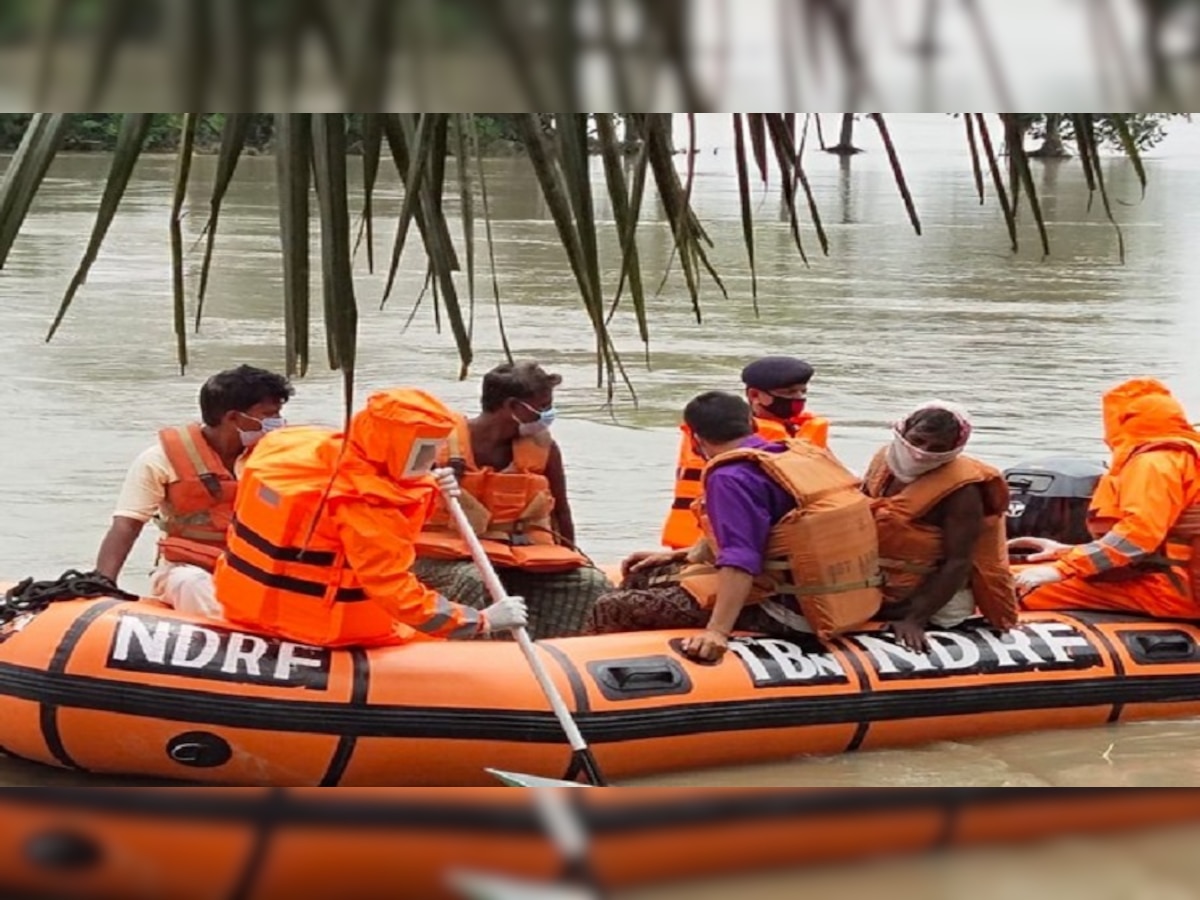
<point x="481" y="886"/>
<point x="519" y="779"/>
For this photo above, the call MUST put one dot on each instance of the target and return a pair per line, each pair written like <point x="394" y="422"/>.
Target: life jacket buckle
<point x="212" y="484"/>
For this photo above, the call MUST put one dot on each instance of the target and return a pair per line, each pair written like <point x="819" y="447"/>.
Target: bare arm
<point x="556" y="474"/>
<point x="961" y="526"/>
<point x="117" y="544"/>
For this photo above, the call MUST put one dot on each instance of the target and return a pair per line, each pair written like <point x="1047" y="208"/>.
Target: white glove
<point x="447" y="483"/>
<point x="509" y="613"/>
<point x="1044" y="549"/>
<point x="1028" y="579"/>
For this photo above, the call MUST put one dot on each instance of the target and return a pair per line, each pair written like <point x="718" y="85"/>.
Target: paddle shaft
<point x="496" y="589"/>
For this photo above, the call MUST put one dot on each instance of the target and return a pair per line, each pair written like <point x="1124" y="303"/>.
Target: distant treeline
<point x="97" y="132"/>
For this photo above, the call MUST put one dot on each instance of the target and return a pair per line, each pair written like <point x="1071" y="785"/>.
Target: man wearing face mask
<point x="777" y="390"/>
<point x="187" y="481"/>
<point x="322" y="547"/>
<point x="789" y="544"/>
<point x="940" y="519"/>
<point x="514" y="492"/>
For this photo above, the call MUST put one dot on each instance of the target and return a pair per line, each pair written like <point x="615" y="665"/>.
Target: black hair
<point x="237" y="390"/>
<point x="719" y="417"/>
<point x="935" y="423"/>
<point x="515" y="381"/>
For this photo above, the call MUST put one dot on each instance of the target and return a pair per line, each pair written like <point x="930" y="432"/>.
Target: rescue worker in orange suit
<point x="940" y="519"/>
<point x="514" y="491"/>
<point x="777" y="389"/>
<point x="186" y="482"/>
<point x="781" y="519"/>
<point x="1144" y="515"/>
<point x="322" y="545"/>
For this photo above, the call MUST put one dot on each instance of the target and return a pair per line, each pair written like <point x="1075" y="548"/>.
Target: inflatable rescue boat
<point x="138" y="844"/>
<point x="112" y="686"/>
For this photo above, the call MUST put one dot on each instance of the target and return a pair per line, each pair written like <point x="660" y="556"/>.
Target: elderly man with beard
<point x="940" y="519"/>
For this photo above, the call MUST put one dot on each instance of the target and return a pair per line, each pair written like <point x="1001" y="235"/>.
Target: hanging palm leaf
<point x="293" y="152"/>
<point x="25" y="172"/>
<point x="233" y="141"/>
<point x="183" y="169"/>
<point x="130" y="141"/>
<point x="341" y="309"/>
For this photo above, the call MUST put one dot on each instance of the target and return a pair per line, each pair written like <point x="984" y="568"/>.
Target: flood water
<point x="888" y="319"/>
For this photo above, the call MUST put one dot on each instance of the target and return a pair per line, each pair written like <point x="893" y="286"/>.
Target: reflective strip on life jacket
<point x="283" y="582"/>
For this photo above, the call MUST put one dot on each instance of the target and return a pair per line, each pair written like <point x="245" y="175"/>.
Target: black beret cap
<point x="774" y="372"/>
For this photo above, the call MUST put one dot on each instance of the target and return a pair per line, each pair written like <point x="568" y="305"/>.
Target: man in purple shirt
<point x="743" y="503"/>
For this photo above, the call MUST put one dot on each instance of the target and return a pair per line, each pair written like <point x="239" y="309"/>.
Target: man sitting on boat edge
<point x="186" y="482"/>
<point x="1144" y="515"/>
<point x="789" y="543"/>
<point x="777" y="390"/>
<point x="322" y="546"/>
<point x="940" y="516"/>
<point x="514" y="491"/>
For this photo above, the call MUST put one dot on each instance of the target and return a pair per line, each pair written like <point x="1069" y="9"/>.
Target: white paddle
<point x="582" y="759"/>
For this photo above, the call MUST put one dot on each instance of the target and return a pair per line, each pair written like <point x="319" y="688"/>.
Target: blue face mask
<point x="270" y="423"/>
<point x="545" y="418"/>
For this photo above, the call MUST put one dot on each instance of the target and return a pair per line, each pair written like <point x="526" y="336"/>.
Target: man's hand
<point x="910" y="635"/>
<point x="649" y="559"/>
<point x="707" y="647"/>
<point x="1040" y="549"/>
<point x="1034" y="577"/>
<point x="447" y="482"/>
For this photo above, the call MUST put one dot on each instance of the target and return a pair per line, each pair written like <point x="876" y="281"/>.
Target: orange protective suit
<point x="1145" y="554"/>
<point x="681" y="529"/>
<point x="343" y="579"/>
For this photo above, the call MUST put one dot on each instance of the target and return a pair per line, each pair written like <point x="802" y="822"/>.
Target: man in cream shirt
<point x="186" y="481"/>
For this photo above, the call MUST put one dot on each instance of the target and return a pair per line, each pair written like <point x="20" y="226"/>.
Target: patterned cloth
<point x="559" y="602"/>
<point x="635" y="606"/>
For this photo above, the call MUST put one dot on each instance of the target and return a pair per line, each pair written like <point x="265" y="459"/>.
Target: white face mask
<point x="269" y="424"/>
<point x="908" y="463"/>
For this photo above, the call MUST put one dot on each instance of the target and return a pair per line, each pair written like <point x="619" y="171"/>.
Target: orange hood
<point x="374" y="460"/>
<point x="1142" y="410"/>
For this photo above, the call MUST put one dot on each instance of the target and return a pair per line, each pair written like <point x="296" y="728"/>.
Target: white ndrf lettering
<point x="288" y="660"/>
<point x="953" y="651"/>
<point x="1059" y="637"/>
<point x="886" y="654"/>
<point x="153" y="646"/>
<point x="244" y="650"/>
<point x="210" y="643"/>
<point x="1009" y="644"/>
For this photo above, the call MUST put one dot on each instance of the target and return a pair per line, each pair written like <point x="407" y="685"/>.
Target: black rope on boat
<point x="34" y="596"/>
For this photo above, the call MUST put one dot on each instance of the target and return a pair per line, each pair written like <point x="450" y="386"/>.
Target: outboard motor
<point x="1050" y="498"/>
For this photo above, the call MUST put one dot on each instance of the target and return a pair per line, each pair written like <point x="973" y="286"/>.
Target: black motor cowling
<point x="1050" y="498"/>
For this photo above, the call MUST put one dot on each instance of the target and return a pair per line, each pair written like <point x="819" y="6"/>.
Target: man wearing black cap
<point x="777" y="390"/>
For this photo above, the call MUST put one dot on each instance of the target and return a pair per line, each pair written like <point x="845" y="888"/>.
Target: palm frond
<point x="25" y="172"/>
<point x="293" y="153"/>
<point x="183" y="169"/>
<point x="130" y="141"/>
<point x="233" y="141"/>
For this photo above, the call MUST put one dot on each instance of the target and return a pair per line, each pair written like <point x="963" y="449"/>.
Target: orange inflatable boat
<point x="253" y="844"/>
<point x="111" y="686"/>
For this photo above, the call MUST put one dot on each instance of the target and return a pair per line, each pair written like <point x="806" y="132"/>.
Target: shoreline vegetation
<point x="499" y="135"/>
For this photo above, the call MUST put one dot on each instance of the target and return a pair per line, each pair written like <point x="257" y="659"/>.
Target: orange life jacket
<point x="510" y="511"/>
<point x="1178" y="557"/>
<point x="681" y="530"/>
<point x="910" y="549"/>
<point x="282" y="576"/>
<point x="199" y="505"/>
<point x="822" y="558"/>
